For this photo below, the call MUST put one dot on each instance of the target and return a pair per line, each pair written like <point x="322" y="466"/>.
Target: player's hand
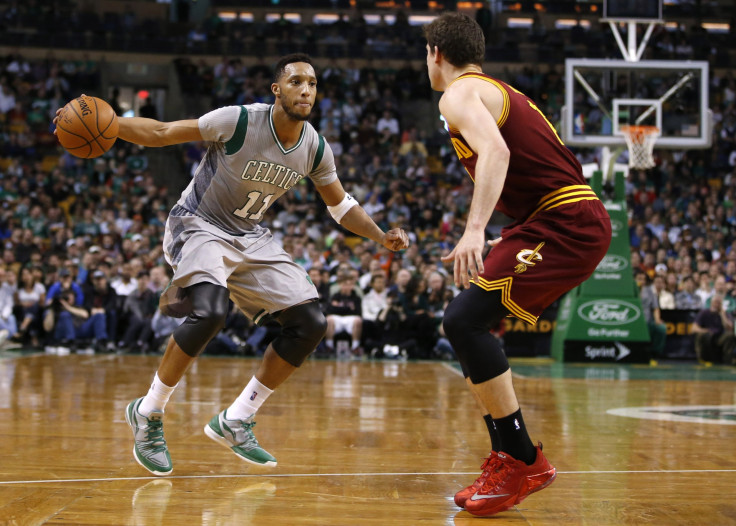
<point x="468" y="257"/>
<point x="58" y="115"/>
<point x="395" y="239"/>
<point x="494" y="242"/>
<point x="56" y="118"/>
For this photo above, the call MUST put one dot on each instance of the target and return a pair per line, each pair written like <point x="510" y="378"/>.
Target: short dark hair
<point x="458" y="37"/>
<point x="377" y="275"/>
<point x="289" y="59"/>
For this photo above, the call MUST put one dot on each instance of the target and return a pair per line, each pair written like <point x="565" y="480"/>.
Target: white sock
<point x="157" y="397"/>
<point x="249" y="401"/>
<point x="354" y="344"/>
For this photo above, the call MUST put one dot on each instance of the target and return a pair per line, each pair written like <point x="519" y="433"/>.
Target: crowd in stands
<point x="82" y="264"/>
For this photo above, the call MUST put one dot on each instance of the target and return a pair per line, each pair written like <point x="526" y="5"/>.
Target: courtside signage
<point x="611" y="268"/>
<point x="609" y="312"/>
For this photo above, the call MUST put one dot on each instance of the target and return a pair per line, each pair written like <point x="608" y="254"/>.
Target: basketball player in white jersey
<point x="218" y="250"/>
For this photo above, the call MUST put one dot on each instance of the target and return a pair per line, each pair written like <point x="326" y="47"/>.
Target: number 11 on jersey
<point x="253" y="198"/>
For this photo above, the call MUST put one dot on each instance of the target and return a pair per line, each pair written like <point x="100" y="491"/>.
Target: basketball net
<point x="640" y="141"/>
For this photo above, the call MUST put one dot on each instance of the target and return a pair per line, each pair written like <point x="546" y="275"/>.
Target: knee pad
<point x="210" y="304"/>
<point x="467" y="323"/>
<point x="302" y="327"/>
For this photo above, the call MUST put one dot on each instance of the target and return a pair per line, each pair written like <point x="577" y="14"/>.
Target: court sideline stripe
<point x="304" y="475"/>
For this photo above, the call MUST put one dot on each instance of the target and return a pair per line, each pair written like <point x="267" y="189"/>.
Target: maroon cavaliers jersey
<point x="542" y="173"/>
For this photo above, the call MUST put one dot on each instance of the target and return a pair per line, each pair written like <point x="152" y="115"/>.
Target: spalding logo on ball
<point x="87" y="127"/>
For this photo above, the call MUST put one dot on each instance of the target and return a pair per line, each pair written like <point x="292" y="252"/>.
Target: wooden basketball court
<point x="384" y="443"/>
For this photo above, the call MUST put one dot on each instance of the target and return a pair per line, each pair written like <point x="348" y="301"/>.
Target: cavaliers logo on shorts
<point x="528" y="258"/>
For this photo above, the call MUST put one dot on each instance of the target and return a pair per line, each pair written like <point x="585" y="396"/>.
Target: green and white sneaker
<point x="150" y="449"/>
<point x="238" y="436"/>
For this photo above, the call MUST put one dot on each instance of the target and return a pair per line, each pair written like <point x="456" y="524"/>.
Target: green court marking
<point x="548" y="368"/>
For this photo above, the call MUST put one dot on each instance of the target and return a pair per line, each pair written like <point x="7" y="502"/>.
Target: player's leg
<point x="209" y="310"/>
<point x="268" y="281"/>
<point x="467" y="324"/>
<point x="303" y="326"/>
<point x="489" y="463"/>
<point x="356" y="332"/>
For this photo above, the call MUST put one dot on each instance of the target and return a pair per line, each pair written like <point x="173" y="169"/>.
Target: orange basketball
<point x="87" y="127"/>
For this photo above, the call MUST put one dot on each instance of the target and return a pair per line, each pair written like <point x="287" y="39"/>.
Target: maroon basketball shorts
<point x="539" y="260"/>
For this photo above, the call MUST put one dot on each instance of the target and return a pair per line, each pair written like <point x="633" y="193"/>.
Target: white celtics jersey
<point x="246" y="168"/>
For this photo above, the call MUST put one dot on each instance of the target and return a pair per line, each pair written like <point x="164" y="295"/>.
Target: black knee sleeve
<point x="467" y="323"/>
<point x="302" y="327"/>
<point x="209" y="312"/>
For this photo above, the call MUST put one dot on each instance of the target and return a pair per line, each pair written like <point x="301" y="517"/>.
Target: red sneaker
<point x="510" y="483"/>
<point x="488" y="466"/>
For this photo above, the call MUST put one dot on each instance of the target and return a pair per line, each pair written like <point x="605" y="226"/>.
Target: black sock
<point x="493" y="432"/>
<point x="514" y="438"/>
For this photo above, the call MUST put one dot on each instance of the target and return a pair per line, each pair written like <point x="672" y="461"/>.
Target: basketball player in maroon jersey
<point x="560" y="233"/>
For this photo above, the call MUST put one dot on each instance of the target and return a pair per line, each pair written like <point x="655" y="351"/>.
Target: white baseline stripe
<point x="678" y="413"/>
<point x="305" y="475"/>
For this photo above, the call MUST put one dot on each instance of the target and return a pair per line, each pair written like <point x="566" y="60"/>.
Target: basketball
<point x="87" y="127"/>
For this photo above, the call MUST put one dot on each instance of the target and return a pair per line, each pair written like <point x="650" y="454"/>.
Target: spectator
<point x="374" y="301"/>
<point x="323" y="288"/>
<point x="138" y="309"/>
<point x="101" y="303"/>
<point x="125" y="283"/>
<point x="344" y="311"/>
<point x="395" y="340"/>
<point x="7" y="97"/>
<point x="419" y="325"/>
<point x="388" y="124"/>
<point x="159" y="278"/>
<point x="29" y="299"/>
<point x="66" y="319"/>
<point x="704" y="290"/>
<point x="8" y="324"/>
<point x="402" y="279"/>
<point x="665" y="298"/>
<point x="64" y="283"/>
<point x="652" y="314"/>
<point x="714" y="337"/>
<point x="720" y="288"/>
<point x="162" y="327"/>
<point x="439" y="295"/>
<point x="686" y="298"/>
<point x="148" y="110"/>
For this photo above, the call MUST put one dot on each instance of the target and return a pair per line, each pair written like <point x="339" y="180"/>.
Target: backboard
<point x="603" y="95"/>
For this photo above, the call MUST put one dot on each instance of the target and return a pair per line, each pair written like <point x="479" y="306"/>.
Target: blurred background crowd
<point x="82" y="265"/>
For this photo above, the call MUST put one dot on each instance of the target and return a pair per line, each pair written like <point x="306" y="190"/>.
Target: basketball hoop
<point x="640" y="140"/>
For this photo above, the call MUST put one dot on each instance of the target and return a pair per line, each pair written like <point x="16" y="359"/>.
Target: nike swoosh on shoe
<point x="481" y="497"/>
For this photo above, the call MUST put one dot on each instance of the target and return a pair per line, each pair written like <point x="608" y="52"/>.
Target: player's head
<point x="458" y="37"/>
<point x="295" y="85"/>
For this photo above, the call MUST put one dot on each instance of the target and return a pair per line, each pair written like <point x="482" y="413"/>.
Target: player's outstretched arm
<point x="150" y="132"/>
<point x="346" y="211"/>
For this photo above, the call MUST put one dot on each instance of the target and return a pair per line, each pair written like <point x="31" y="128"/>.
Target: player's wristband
<point x="339" y="210"/>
